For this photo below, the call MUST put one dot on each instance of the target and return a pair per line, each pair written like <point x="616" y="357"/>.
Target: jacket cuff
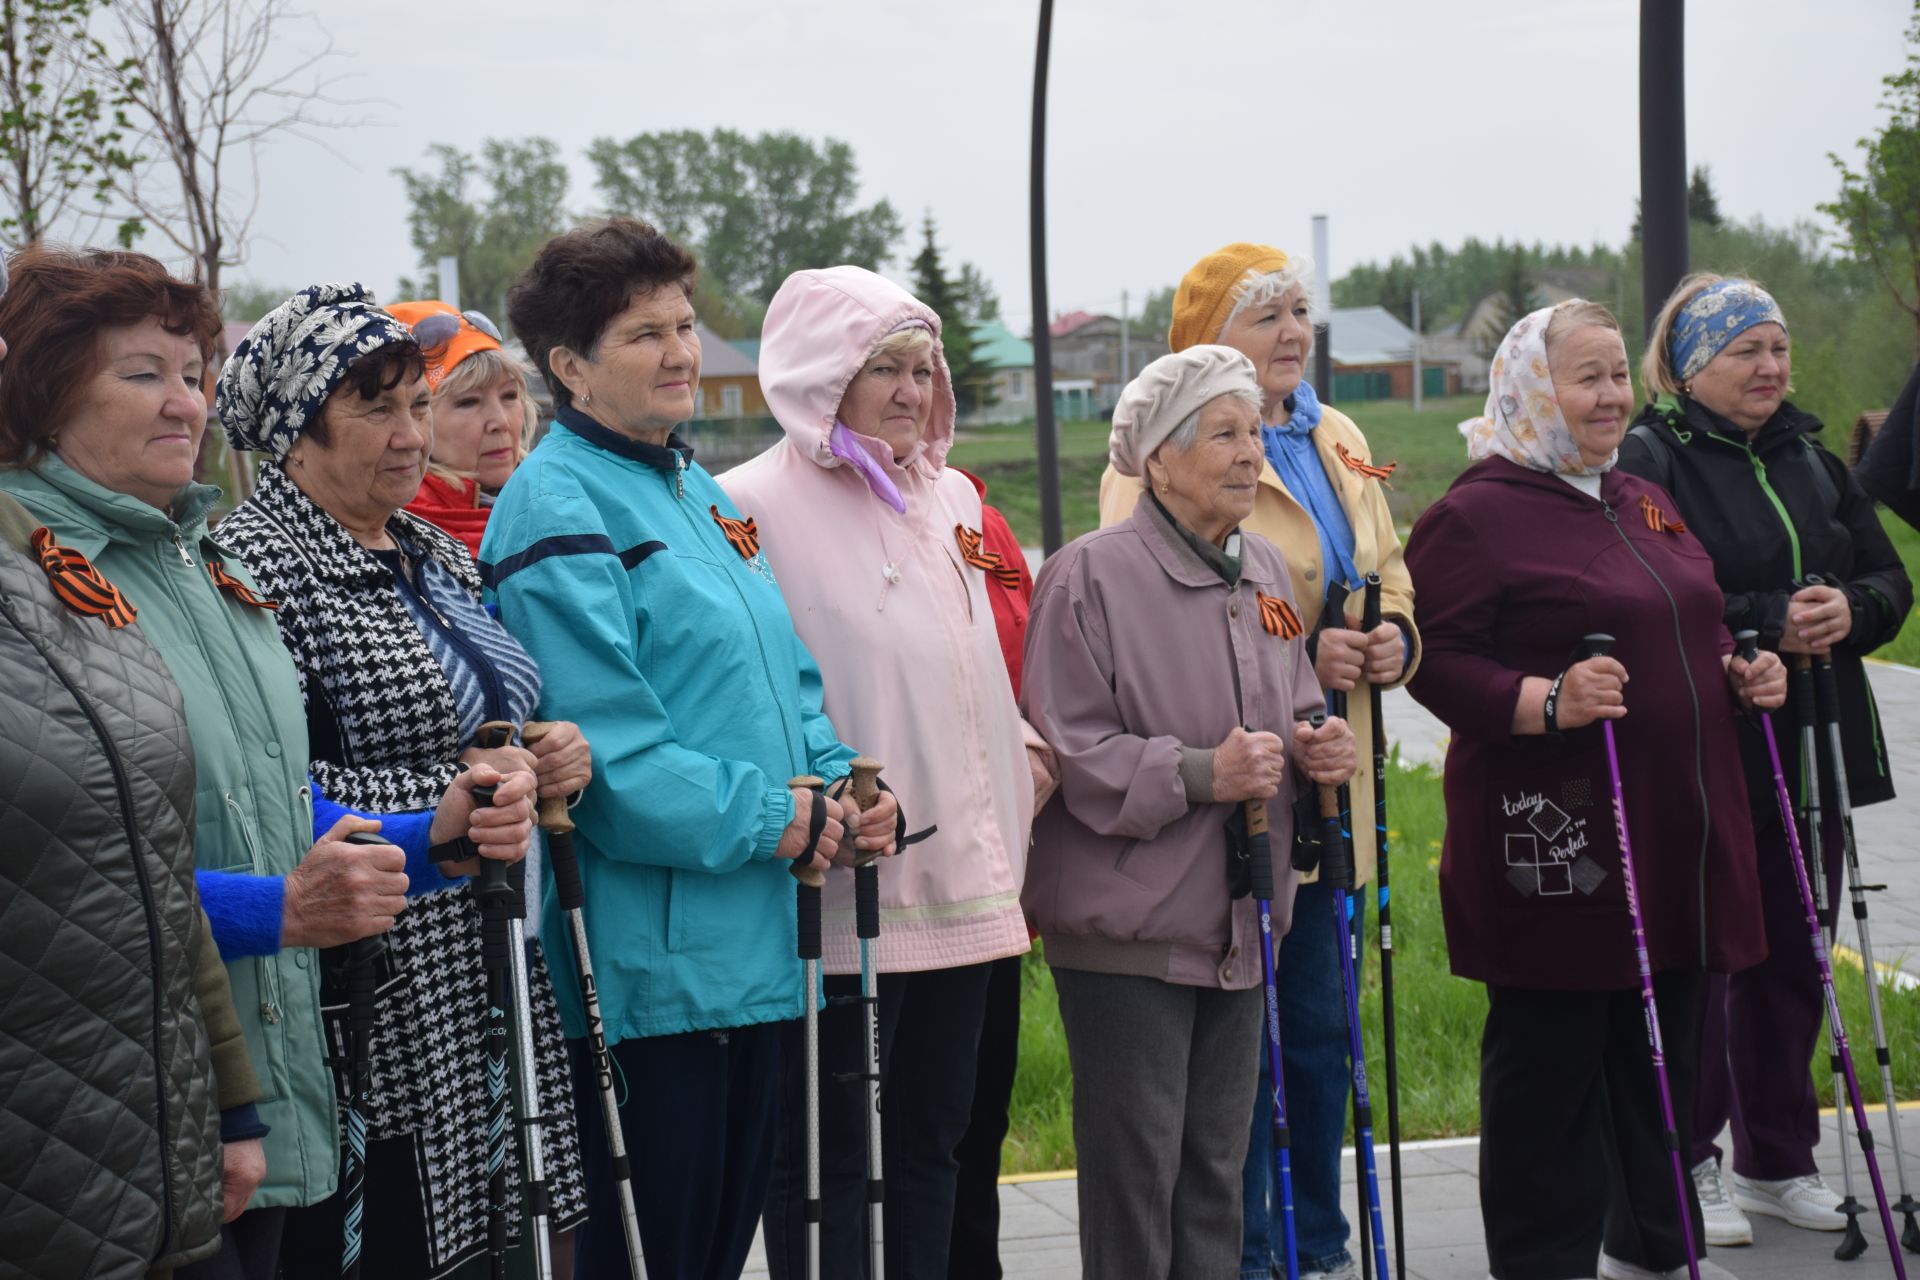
<point x="409" y="832"/>
<point x="1196" y="774"/>
<point x="774" y="817"/>
<point x="246" y="911"/>
<point x="238" y="1124"/>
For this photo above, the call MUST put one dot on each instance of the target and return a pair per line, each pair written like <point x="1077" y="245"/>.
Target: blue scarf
<point x="1289" y="447"/>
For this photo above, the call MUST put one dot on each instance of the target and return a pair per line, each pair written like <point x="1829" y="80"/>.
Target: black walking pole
<point x="1260" y="864"/>
<point x="806" y="898"/>
<point x="1370" y="618"/>
<point x="866" y="902"/>
<point x="567" y="887"/>
<point x="360" y="958"/>
<point x="495" y="898"/>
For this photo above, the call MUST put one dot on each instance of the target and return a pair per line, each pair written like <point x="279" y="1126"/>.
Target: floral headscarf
<point x="1713" y="318"/>
<point x="1522" y="422"/>
<point x="289" y="363"/>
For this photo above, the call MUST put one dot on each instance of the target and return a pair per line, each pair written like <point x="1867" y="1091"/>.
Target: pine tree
<point x="972" y="380"/>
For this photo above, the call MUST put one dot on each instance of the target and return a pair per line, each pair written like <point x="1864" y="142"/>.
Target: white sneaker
<point x="1612" y="1268"/>
<point x="1805" y="1201"/>
<point x="1348" y="1270"/>
<point x="1724" y="1222"/>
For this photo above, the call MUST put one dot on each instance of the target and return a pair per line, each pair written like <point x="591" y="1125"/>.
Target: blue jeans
<point x="1319" y="1086"/>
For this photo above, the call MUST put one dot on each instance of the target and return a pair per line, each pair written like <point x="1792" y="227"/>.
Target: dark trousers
<point x="249" y="1249"/>
<point x="698" y="1115"/>
<point x="1758" y="1028"/>
<point x="1571" y="1149"/>
<point x="929" y="1043"/>
<point x="974" y="1251"/>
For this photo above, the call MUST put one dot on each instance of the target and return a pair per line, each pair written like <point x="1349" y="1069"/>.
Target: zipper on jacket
<point x="124" y="793"/>
<point x="1693" y="693"/>
<point x="679" y="474"/>
<point x="181" y="547"/>
<point x="1779" y="507"/>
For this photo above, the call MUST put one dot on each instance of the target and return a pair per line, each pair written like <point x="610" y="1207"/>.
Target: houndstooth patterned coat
<point x="388" y="742"/>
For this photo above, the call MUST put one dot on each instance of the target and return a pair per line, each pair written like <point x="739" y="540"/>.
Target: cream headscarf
<point x="1522" y="422"/>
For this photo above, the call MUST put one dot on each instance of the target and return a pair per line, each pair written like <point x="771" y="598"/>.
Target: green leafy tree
<point x="1702" y="204"/>
<point x="972" y="379"/>
<point x="247" y="301"/>
<point x="1878" y="208"/>
<point x="756" y="209"/>
<point x="1156" y="312"/>
<point x="979" y="300"/>
<point x="63" y="119"/>
<point x="494" y="234"/>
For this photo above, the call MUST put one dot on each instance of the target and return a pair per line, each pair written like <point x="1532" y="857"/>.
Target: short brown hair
<point x="381" y="369"/>
<point x="52" y="315"/>
<point x="581" y="279"/>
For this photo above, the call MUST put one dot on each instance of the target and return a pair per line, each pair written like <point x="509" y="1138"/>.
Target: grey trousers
<point x="1163" y="1083"/>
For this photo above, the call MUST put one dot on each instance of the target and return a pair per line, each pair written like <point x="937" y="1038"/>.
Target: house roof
<point x="996" y="346"/>
<point x="748" y="347"/>
<point x="722" y="359"/>
<point x="1368" y="335"/>
<point x="1066" y="324"/>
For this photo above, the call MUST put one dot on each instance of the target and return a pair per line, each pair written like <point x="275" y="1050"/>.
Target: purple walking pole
<point x="1748" y="642"/>
<point x="1260" y="856"/>
<point x="1596" y="647"/>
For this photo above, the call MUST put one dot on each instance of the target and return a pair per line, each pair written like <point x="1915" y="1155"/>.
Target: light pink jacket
<point x="910" y="658"/>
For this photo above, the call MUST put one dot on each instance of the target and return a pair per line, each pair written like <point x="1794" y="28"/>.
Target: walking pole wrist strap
<point x="1551" y="709"/>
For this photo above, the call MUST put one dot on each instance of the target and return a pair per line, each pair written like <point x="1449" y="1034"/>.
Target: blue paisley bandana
<point x="282" y="372"/>
<point x="1714" y="317"/>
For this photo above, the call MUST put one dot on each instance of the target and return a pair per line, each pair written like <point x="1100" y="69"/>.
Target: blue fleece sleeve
<point x="245" y="911"/>
<point x="406" y="831"/>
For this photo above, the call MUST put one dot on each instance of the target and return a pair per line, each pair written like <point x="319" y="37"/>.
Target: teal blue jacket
<point x="672" y="649"/>
<point x="253" y="811"/>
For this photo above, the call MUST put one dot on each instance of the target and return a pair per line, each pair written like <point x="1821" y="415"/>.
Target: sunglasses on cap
<point x="438" y="328"/>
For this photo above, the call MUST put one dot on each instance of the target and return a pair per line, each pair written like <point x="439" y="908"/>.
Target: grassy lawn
<point x="1437" y="1016"/>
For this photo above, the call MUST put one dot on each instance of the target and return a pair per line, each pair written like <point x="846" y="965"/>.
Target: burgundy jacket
<point x="1513" y="567"/>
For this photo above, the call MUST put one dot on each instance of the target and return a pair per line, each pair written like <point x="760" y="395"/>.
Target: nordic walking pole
<point x="533" y="1122"/>
<point x="566" y="882"/>
<point x="495" y="897"/>
<point x="1748" y="642"/>
<point x="1852" y="1242"/>
<point x="360" y="957"/>
<point x="1336" y="869"/>
<point x="1597" y="646"/>
<point x="1370" y="617"/>
<point x="1260" y="858"/>
<point x="1827" y="694"/>
<point x="866" y="899"/>
<point x="806" y="897"/>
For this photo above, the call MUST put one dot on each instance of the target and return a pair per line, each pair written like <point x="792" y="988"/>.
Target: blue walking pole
<point x="1260" y="859"/>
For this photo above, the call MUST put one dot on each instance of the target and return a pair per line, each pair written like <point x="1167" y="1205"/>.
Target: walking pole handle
<point x="866" y="876"/>
<point x="1259" y="849"/>
<point x="554" y="818"/>
<point x="810" y="876"/>
<point x="1370" y="604"/>
<point x="1336" y="868"/>
<point x="1596" y="645"/>
<point x="492" y="881"/>
<point x="1747" y="644"/>
<point x="1804" y="704"/>
<point x="558" y="823"/>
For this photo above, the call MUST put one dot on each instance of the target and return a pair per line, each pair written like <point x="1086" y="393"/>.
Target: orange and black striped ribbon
<point x="237" y="589"/>
<point x="741" y="533"/>
<point x="80" y="586"/>
<point x="1365" y="470"/>
<point x="1657" y="519"/>
<point x="1278" y="617"/>
<point x="973" y="551"/>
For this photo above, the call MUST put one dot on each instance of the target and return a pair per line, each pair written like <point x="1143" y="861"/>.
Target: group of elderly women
<point x="200" y="721"/>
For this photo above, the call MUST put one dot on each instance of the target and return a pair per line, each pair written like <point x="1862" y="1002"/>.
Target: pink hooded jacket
<point x="898" y="617"/>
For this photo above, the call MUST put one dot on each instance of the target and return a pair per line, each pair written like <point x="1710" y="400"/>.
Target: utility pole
<point x="450" y="281"/>
<point x="1418" y="379"/>
<point x="1663" y="154"/>
<point x="1126" y="359"/>
<point x="1046" y="437"/>
<point x="1323" y="303"/>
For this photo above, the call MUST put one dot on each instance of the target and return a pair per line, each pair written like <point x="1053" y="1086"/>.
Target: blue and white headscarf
<point x="1714" y="317"/>
<point x="282" y="372"/>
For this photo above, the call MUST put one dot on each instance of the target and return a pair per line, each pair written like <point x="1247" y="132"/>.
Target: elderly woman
<point x="483" y="418"/>
<point x="1320" y="502"/>
<point x="1538" y="543"/>
<point x="1164" y="665"/>
<point x="399" y="665"/>
<point x="1771" y="507"/>
<point x="640" y="588"/>
<point x="103" y="445"/>
<point x="878" y="549"/>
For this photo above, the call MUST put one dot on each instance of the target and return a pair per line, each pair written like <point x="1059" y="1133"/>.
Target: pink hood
<point x="820" y="328"/>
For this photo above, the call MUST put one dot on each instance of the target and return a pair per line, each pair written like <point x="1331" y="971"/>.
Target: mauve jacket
<point x="1135" y="650"/>
<point x="1513" y="567"/>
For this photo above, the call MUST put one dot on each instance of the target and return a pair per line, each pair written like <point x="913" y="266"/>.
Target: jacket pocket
<point x="1125" y="855"/>
<point x="256" y="1000"/>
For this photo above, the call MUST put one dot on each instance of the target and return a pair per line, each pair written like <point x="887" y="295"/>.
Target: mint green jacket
<point x="252" y="808"/>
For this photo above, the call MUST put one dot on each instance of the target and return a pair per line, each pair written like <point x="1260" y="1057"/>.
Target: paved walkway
<point x="1040" y="1216"/>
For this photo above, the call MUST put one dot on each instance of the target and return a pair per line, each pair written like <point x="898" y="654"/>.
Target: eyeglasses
<point x="431" y="331"/>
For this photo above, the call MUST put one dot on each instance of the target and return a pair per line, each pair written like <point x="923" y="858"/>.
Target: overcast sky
<point x="1173" y="129"/>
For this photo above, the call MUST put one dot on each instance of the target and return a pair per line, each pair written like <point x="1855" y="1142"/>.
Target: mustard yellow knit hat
<point x="1205" y="297"/>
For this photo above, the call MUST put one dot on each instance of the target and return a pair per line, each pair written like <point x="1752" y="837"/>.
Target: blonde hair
<point x="1259" y="288"/>
<point x="908" y="338"/>
<point x="1576" y="313"/>
<point x="483" y="369"/>
<point x="1656" y="366"/>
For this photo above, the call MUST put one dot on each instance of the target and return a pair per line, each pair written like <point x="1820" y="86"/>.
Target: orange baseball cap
<point x="446" y="336"/>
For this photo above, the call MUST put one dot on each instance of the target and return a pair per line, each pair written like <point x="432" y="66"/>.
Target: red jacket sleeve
<point x="1010" y="605"/>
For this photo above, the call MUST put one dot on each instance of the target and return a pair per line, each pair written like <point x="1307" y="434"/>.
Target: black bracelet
<point x="1552" y="707"/>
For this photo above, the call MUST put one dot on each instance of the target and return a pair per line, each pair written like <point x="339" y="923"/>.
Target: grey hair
<point x="1261" y="288"/>
<point x="1183" y="435"/>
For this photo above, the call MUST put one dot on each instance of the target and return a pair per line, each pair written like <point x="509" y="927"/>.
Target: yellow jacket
<point x="1279" y="518"/>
